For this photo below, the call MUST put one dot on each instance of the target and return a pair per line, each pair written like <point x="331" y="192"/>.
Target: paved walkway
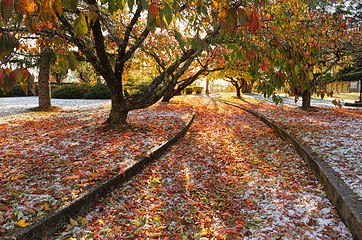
<point x="316" y="102"/>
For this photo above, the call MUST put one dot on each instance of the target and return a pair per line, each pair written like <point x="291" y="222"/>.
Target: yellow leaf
<point x="46" y="207"/>
<point x="73" y="222"/>
<point x="22" y="223"/>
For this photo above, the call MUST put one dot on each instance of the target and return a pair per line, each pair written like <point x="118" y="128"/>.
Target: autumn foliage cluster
<point x="282" y="44"/>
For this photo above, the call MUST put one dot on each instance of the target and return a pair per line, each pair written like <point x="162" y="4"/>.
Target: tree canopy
<point x="285" y="43"/>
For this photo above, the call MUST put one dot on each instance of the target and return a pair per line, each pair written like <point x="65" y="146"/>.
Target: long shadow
<point x="230" y="180"/>
<point x="54" y="166"/>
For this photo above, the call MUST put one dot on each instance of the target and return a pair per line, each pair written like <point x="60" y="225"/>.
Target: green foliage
<point x="198" y="90"/>
<point x="87" y="73"/>
<point x="71" y="91"/>
<point x="135" y="88"/>
<point x="189" y="90"/>
<point x="18" y="91"/>
<point x="99" y="91"/>
<point x="88" y="91"/>
<point x="80" y="25"/>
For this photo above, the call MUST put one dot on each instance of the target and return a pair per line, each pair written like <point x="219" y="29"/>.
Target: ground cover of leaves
<point x="48" y="159"/>
<point x="229" y="177"/>
<point x="334" y="134"/>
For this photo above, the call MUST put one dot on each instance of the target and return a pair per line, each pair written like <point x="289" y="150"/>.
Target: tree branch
<point x="136" y="16"/>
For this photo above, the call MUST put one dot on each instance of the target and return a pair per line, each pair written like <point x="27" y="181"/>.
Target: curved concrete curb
<point x="341" y="196"/>
<point x="50" y="224"/>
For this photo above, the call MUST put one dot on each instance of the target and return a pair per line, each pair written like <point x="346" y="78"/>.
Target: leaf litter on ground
<point x="229" y="177"/>
<point x="334" y="134"/>
<point x="48" y="159"/>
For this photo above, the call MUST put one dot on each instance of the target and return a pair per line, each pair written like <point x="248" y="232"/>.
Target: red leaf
<point x="254" y="23"/>
<point x="7" y="7"/>
<point x="241" y="225"/>
<point x="2" y="80"/>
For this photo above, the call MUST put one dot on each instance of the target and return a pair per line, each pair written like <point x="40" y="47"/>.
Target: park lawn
<point x="334" y="134"/>
<point x="229" y="177"/>
<point x="48" y="159"/>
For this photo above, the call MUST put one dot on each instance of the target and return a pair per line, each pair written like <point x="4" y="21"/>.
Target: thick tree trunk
<point x="238" y="92"/>
<point x="168" y="97"/>
<point x="306" y="98"/>
<point x="169" y="94"/>
<point x="118" y="115"/>
<point x="119" y="110"/>
<point x="43" y="81"/>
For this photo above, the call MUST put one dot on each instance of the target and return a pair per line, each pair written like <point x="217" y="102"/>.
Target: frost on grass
<point x="230" y="177"/>
<point x="48" y="159"/>
<point x="334" y="134"/>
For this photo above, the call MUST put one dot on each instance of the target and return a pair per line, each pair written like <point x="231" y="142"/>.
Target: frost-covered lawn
<point x="47" y="159"/>
<point x="335" y="134"/>
<point x="15" y="105"/>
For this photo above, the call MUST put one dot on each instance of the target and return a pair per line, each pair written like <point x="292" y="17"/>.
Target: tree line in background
<point x="166" y="45"/>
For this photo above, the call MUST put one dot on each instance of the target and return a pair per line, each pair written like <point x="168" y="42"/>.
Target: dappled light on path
<point x="48" y="159"/>
<point x="334" y="134"/>
<point x="230" y="177"/>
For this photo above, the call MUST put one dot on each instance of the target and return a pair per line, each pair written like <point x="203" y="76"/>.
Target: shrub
<point x="198" y="90"/>
<point x="135" y="88"/>
<point x="18" y="91"/>
<point x="70" y="91"/>
<point x="99" y="91"/>
<point x="189" y="90"/>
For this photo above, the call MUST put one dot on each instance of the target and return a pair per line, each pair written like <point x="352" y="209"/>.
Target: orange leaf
<point x="72" y="177"/>
<point x="29" y="6"/>
<point x="22" y="223"/>
<point x="239" y="225"/>
<point x="15" y="178"/>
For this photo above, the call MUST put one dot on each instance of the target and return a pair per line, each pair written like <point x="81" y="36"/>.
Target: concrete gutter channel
<point x="53" y="222"/>
<point x="341" y="196"/>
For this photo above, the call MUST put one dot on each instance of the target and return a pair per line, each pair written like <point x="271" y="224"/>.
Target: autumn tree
<point x="303" y="45"/>
<point x="110" y="33"/>
<point x="30" y="37"/>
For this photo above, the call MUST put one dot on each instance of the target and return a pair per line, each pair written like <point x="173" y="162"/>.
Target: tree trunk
<point x="247" y="88"/>
<point x="119" y="111"/>
<point x="118" y="115"/>
<point x="207" y="91"/>
<point x="169" y="94"/>
<point x="238" y="92"/>
<point x="58" y="78"/>
<point x="306" y="98"/>
<point x="43" y="81"/>
<point x="360" y="90"/>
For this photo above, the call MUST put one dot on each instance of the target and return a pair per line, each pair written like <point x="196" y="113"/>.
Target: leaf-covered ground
<point x="230" y="177"/>
<point x="47" y="159"/>
<point x="334" y="134"/>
